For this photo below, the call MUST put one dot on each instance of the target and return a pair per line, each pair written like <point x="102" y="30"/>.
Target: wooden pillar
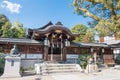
<point x="28" y="51"/>
<point x="61" y="55"/>
<point x="8" y="48"/>
<point x="64" y="53"/>
<point x="45" y="54"/>
<point x="51" y="55"/>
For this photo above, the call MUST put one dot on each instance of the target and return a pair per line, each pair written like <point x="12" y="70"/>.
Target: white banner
<point x="34" y="56"/>
<point x="72" y="56"/>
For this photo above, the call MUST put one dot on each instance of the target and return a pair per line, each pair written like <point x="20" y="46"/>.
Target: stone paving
<point x="105" y="74"/>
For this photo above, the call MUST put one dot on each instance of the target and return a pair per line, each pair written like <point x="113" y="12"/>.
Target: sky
<point x="37" y="13"/>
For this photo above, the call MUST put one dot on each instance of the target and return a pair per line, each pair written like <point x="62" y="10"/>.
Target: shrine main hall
<point x="55" y="42"/>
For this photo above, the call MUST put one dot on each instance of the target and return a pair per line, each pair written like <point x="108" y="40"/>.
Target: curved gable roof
<point x="55" y="27"/>
<point x="48" y="24"/>
<point x="49" y="28"/>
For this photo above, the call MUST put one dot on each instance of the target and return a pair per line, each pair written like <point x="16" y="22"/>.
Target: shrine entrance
<point x="56" y="38"/>
<point x="54" y="52"/>
<point x="56" y="43"/>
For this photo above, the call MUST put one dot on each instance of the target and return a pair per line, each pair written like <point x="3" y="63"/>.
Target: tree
<point x="84" y="59"/>
<point x="6" y="30"/>
<point x="108" y="27"/>
<point x="105" y="12"/>
<point x="80" y="29"/>
<point x="2" y="64"/>
<point x="18" y="31"/>
<point x="13" y="31"/>
<point x="4" y="21"/>
<point x="89" y="36"/>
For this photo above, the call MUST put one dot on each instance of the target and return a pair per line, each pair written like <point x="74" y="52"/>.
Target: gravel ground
<point x="105" y="74"/>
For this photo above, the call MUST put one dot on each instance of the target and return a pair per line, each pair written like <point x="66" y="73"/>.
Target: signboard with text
<point x="72" y="56"/>
<point x="34" y="56"/>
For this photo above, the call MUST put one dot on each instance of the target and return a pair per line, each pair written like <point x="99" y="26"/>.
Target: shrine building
<point x="55" y="42"/>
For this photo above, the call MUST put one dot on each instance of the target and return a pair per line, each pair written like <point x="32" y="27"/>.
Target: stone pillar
<point x="95" y="57"/>
<point x="12" y="67"/>
<point x="91" y="67"/>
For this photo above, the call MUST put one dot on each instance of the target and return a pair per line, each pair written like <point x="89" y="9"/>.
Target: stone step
<point x="52" y="70"/>
<point x="60" y="68"/>
<point x="60" y="71"/>
<point x="28" y="73"/>
<point x="58" y="65"/>
<point x="57" y="68"/>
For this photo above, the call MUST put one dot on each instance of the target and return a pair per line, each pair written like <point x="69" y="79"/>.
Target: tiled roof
<point x="18" y="40"/>
<point x="111" y="42"/>
<point x="48" y="24"/>
<point x="89" y="44"/>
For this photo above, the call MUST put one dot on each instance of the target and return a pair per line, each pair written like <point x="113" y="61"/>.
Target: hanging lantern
<point x="67" y="43"/>
<point x="61" y="45"/>
<point x="46" y="42"/>
<point x="53" y="45"/>
<point x="57" y="45"/>
<point x="92" y="49"/>
<point x="103" y="50"/>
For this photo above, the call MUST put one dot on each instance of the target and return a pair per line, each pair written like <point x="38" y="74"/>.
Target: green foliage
<point x="108" y="27"/>
<point x="13" y="31"/>
<point x="105" y="12"/>
<point x="3" y="20"/>
<point x="6" y="30"/>
<point x="22" y="70"/>
<point x="85" y="34"/>
<point x="84" y="59"/>
<point x="117" y="60"/>
<point x="2" y="63"/>
<point x="1" y="49"/>
<point x="79" y="29"/>
<point x="18" y="30"/>
<point x="89" y="36"/>
<point x="4" y="23"/>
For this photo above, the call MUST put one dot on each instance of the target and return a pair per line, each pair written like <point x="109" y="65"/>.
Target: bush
<point x="2" y="63"/>
<point x="84" y="59"/>
<point x="22" y="70"/>
<point x="117" y="60"/>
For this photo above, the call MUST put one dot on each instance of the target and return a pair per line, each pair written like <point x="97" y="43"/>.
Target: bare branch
<point x="90" y="14"/>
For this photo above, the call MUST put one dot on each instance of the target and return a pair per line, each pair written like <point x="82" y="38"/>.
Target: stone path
<point x="106" y="74"/>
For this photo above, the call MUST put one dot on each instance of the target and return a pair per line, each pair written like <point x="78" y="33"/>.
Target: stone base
<point x="91" y="68"/>
<point x="12" y="67"/>
<point x="10" y="75"/>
